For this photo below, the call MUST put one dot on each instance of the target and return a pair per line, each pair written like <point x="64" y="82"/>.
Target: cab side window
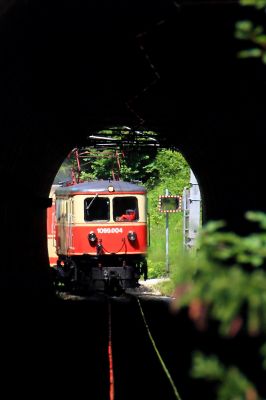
<point x="96" y="209"/>
<point x="125" y="209"/>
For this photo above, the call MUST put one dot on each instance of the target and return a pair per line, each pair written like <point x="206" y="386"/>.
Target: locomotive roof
<point x="100" y="186"/>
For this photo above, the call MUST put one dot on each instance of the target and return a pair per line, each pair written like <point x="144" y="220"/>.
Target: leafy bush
<point x="231" y="383"/>
<point x="225" y="280"/>
<point x="156" y="269"/>
<point x="170" y="171"/>
<point x="253" y="35"/>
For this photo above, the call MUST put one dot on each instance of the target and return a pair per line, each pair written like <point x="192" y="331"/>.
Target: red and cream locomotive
<point x="101" y="234"/>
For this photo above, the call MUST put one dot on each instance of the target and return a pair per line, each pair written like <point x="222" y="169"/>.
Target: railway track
<point x="139" y="370"/>
<point x="100" y="347"/>
<point x="119" y="347"/>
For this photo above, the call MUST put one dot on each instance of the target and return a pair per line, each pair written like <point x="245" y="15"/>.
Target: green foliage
<point x="156" y="268"/>
<point x="219" y="279"/>
<point x="255" y="34"/>
<point x="129" y="159"/>
<point x="106" y="164"/>
<point x="255" y="3"/>
<point x="169" y="170"/>
<point x="225" y="281"/>
<point x="207" y="367"/>
<point x="231" y="383"/>
<point x="263" y="353"/>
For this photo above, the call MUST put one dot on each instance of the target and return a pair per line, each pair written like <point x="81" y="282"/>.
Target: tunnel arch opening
<point x="138" y="156"/>
<point x="71" y="68"/>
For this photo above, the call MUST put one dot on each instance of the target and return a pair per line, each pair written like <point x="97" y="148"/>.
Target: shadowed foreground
<point x="61" y="349"/>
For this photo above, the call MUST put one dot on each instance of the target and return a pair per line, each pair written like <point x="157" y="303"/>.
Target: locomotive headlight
<point x="92" y="237"/>
<point x="132" y="236"/>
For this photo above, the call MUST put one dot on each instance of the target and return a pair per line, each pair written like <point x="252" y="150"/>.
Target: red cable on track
<point x="110" y="356"/>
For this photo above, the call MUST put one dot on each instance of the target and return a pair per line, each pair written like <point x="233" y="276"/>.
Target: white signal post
<point x="168" y="204"/>
<point x="191" y="213"/>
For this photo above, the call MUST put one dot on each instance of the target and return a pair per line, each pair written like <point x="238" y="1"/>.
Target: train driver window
<point x="97" y="209"/>
<point x="125" y="209"/>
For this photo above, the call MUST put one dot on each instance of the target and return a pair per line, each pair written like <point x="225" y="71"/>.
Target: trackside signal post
<point x="168" y="204"/>
<point x="191" y="212"/>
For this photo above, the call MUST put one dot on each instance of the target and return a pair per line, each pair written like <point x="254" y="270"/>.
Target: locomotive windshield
<point x="97" y="209"/>
<point x="125" y="208"/>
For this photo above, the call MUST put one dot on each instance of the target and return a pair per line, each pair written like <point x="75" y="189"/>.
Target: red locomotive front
<point x="101" y="232"/>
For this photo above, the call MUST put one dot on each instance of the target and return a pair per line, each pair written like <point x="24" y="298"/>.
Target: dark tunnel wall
<point x="68" y="68"/>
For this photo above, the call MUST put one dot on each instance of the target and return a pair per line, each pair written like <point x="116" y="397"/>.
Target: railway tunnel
<point x="70" y="68"/>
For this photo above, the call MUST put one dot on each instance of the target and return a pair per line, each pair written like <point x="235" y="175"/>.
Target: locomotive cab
<point x="101" y="234"/>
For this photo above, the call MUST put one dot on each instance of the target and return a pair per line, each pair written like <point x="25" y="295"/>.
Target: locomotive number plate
<point x="110" y="230"/>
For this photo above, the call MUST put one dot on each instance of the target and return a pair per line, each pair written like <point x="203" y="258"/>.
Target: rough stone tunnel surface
<point x="68" y="68"/>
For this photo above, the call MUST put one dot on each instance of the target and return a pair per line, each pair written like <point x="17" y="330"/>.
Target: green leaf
<point x="242" y="35"/>
<point x="248" y="2"/>
<point x="259" y="4"/>
<point x="244" y="26"/>
<point x="258" y="30"/>
<point x="263" y="353"/>
<point x="257" y="216"/>
<point x="261" y="39"/>
<point x="207" y="367"/>
<point x="232" y="384"/>
<point x="255" y="53"/>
